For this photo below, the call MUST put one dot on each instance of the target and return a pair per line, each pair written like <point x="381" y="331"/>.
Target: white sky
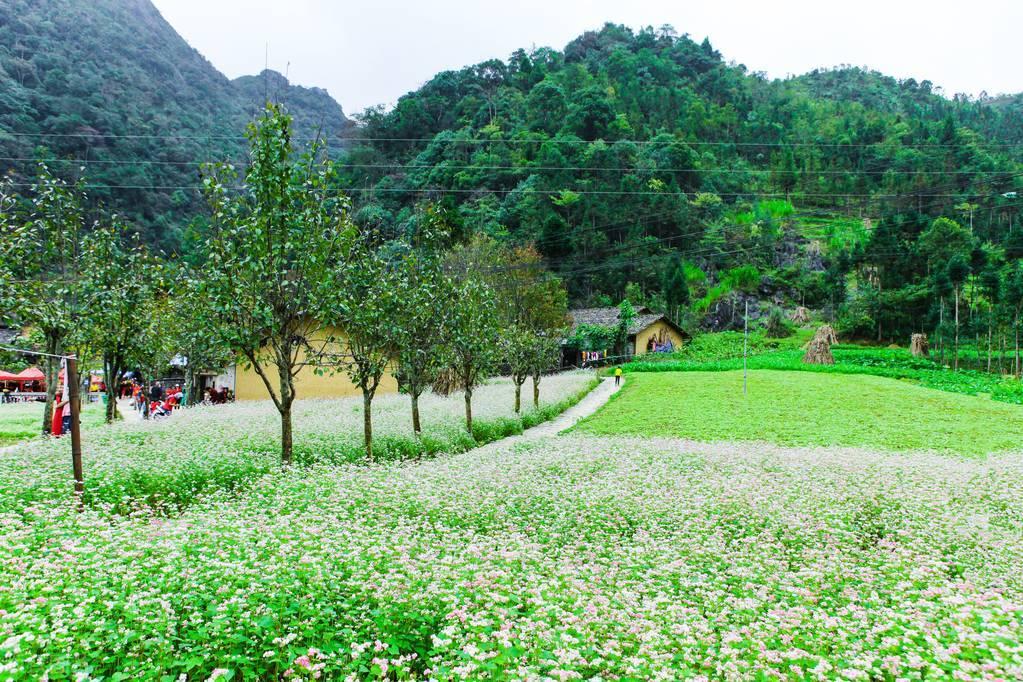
<point x="367" y="52"/>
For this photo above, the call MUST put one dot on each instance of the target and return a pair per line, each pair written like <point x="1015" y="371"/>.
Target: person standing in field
<point x="618" y="376"/>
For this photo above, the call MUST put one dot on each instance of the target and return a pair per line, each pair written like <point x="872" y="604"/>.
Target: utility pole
<point x="745" y="345"/>
<point x="71" y="377"/>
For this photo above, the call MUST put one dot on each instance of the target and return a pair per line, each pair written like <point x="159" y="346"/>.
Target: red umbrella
<point x="7" y="376"/>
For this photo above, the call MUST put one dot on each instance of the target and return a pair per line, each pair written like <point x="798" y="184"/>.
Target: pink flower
<point x="303" y="662"/>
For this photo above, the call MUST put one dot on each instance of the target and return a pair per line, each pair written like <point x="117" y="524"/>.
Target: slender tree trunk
<point x="111" y="407"/>
<point x="284" y="403"/>
<point x="286" y="439"/>
<point x="536" y="391"/>
<point x="518" y="395"/>
<point x="1016" y="354"/>
<point x="111" y="371"/>
<point x="367" y="421"/>
<point x="941" y="333"/>
<point x="989" y="342"/>
<point x="113" y="414"/>
<point x="417" y="428"/>
<point x="190" y="386"/>
<point x="52" y="374"/>
<point x="955" y="362"/>
<point x="468" y="410"/>
<point x="1001" y="352"/>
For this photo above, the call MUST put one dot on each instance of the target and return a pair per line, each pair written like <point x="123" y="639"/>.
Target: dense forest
<point x="636" y="161"/>
<point x="108" y="89"/>
<point x="640" y="164"/>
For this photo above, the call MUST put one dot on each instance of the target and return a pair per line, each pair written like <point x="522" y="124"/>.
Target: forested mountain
<point x="634" y="161"/>
<point x="629" y="156"/>
<point x="108" y="85"/>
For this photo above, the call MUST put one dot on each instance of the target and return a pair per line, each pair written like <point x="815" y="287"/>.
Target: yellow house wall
<point x="655" y="330"/>
<point x="308" y="384"/>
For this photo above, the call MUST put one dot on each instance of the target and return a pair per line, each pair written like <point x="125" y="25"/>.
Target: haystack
<point x="818" y="351"/>
<point x="800" y="315"/>
<point x="918" y="346"/>
<point x="447" y="382"/>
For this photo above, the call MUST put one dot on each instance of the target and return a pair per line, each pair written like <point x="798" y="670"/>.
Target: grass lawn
<point x="805" y="408"/>
<point x="21" y="421"/>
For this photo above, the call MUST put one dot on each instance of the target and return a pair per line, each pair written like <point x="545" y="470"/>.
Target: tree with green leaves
<point x="154" y="350"/>
<point x="194" y="332"/>
<point x="958" y="270"/>
<point x="942" y="240"/>
<point x="119" y="279"/>
<point x="530" y="301"/>
<point x="991" y="285"/>
<point x="273" y="246"/>
<point x="421" y="322"/>
<point x="43" y="255"/>
<point x="1012" y="295"/>
<point x="676" y="288"/>
<point x="474" y="333"/>
<point x="517" y="348"/>
<point x="361" y="303"/>
<point x="626" y="318"/>
<point x="545" y="354"/>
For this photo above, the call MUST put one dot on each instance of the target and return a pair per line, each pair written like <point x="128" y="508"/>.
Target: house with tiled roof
<point x="650" y="332"/>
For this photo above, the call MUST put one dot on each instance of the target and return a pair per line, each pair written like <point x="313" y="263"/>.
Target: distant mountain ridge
<point x="314" y="110"/>
<point x="109" y="84"/>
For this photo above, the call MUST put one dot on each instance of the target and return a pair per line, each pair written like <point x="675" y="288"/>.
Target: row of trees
<point x="295" y="283"/>
<point x="942" y="277"/>
<point x="91" y="290"/>
<point x="285" y="280"/>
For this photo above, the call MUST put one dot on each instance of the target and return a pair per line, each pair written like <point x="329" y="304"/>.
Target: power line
<point x="444" y="190"/>
<point x="478" y="141"/>
<point x="528" y="167"/>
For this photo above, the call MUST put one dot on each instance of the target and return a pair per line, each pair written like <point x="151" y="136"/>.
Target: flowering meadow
<point x="555" y="559"/>
<point x="168" y="463"/>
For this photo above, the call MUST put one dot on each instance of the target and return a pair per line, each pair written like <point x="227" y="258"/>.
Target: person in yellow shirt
<point x="618" y="375"/>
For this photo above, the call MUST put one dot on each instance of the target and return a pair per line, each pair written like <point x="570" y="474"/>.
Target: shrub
<point x="777" y="326"/>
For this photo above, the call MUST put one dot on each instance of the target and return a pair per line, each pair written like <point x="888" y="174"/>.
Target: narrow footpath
<point x="593" y="401"/>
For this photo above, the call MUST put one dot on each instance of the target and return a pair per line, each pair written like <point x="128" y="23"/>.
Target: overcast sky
<point x="369" y="52"/>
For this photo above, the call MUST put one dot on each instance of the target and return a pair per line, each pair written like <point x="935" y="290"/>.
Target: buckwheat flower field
<point x="551" y="559"/>
<point x="169" y="463"/>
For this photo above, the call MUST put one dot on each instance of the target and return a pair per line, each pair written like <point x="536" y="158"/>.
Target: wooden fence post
<point x="71" y="377"/>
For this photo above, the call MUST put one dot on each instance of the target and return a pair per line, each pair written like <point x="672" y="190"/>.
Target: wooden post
<point x="71" y="377"/>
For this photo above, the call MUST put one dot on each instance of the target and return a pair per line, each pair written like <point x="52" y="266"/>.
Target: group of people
<point x="11" y="396"/>
<point x="160" y="401"/>
<point x="217" y="396"/>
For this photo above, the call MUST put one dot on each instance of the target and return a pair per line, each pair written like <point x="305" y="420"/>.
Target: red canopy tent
<point x="31" y="374"/>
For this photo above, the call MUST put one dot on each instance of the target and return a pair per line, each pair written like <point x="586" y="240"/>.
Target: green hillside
<point x="625" y="157"/>
<point x="109" y="86"/>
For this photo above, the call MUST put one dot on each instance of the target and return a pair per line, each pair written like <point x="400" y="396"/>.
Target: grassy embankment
<point x="723" y="352"/>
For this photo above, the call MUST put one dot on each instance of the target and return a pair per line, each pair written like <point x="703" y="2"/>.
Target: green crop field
<point x="807" y="408"/>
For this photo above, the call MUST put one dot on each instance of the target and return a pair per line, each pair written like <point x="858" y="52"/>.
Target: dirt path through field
<point x="593" y="401"/>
